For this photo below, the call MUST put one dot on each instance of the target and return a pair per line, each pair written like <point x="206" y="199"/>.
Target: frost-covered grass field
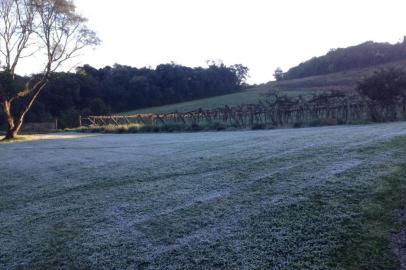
<point x="312" y="198"/>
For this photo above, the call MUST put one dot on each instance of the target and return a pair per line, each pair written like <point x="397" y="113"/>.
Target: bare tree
<point x="36" y="29"/>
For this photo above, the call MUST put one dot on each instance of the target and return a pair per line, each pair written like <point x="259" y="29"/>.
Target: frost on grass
<point x="280" y="199"/>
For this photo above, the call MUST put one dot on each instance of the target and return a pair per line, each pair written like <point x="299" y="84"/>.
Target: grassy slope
<point x="343" y="81"/>
<point x="248" y="96"/>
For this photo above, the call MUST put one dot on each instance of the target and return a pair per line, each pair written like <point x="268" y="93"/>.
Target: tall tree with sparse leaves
<point x="47" y="30"/>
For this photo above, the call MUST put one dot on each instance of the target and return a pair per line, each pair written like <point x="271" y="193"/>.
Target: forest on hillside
<point x="121" y="88"/>
<point x="363" y="55"/>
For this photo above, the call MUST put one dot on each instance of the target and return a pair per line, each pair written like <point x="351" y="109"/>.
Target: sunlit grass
<point x="3" y="139"/>
<point x="38" y="137"/>
<point x="130" y="128"/>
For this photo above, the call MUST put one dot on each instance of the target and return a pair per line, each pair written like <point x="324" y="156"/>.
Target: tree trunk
<point x="11" y="132"/>
<point x="14" y="125"/>
<point x="17" y="126"/>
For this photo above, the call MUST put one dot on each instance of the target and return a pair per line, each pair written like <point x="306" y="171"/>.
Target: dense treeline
<point x="385" y="91"/>
<point x="122" y="88"/>
<point x="363" y="55"/>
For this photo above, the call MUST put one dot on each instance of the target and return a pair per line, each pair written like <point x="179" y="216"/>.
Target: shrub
<point x="258" y="126"/>
<point x="146" y="128"/>
<point x="173" y="127"/>
<point x="329" y="121"/>
<point x="195" y="127"/>
<point x="215" y="126"/>
<point x="315" y="123"/>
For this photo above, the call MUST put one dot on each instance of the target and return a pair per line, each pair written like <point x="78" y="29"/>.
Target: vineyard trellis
<point x="274" y="110"/>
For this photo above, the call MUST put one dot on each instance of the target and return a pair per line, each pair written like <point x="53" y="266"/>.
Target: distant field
<point x="342" y="81"/>
<point x="248" y="96"/>
<point x="311" y="198"/>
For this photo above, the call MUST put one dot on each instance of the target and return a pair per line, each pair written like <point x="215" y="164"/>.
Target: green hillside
<point x="340" y="81"/>
<point x="367" y="54"/>
<point x="251" y="95"/>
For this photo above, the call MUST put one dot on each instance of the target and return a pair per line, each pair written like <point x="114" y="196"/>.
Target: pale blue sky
<point x="261" y="34"/>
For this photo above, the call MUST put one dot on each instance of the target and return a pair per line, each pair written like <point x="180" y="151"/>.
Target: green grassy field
<point x="252" y="95"/>
<point x="341" y="81"/>
<point x="311" y="198"/>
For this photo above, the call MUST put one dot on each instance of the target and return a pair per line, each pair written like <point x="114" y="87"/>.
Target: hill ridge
<point x="366" y="54"/>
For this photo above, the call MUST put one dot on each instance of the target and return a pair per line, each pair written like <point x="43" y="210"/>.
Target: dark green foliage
<point x="216" y="126"/>
<point x="258" y="126"/>
<point x="364" y="55"/>
<point x="300" y="124"/>
<point x="384" y="86"/>
<point x="195" y="127"/>
<point x="385" y="90"/>
<point x="172" y="127"/>
<point x="92" y="91"/>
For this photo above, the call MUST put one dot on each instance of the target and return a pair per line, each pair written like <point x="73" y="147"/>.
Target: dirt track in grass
<point x="279" y="199"/>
